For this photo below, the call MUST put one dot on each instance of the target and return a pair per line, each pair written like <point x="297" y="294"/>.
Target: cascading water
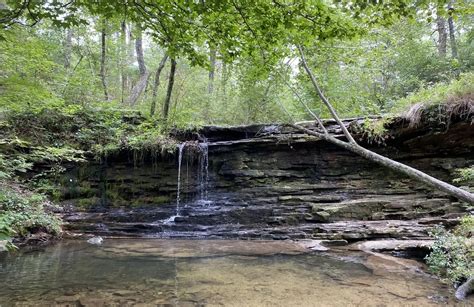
<point x="178" y="189"/>
<point x="203" y="176"/>
<point x="180" y="158"/>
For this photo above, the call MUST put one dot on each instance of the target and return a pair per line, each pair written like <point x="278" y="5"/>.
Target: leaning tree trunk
<point x="352" y="146"/>
<point x="166" y="104"/>
<point x="144" y="74"/>
<point x="157" y="84"/>
<point x="102" y="60"/>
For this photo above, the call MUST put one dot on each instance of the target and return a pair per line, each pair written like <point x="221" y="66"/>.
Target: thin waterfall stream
<point x="171" y="219"/>
<point x="180" y="158"/>
<point x="203" y="175"/>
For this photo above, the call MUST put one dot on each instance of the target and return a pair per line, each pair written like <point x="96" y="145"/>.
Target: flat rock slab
<point x="397" y="245"/>
<point x="201" y="248"/>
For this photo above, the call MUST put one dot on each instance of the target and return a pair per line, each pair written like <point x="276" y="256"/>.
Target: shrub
<point x="23" y="212"/>
<point x="452" y="255"/>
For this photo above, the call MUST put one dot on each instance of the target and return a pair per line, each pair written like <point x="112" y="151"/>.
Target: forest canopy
<point x="229" y="62"/>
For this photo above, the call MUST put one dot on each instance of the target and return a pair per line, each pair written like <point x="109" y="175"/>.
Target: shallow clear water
<point x="205" y="273"/>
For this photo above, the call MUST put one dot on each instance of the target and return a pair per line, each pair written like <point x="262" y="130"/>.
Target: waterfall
<point x="203" y="176"/>
<point x="180" y="158"/>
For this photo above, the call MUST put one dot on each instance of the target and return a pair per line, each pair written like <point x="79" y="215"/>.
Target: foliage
<point x="8" y="166"/>
<point x="452" y="255"/>
<point x="438" y="105"/>
<point x="437" y="94"/>
<point x="6" y="231"/>
<point x="22" y="212"/>
<point x="465" y="175"/>
<point x="366" y="58"/>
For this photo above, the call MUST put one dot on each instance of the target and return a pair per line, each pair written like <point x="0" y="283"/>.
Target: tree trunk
<point x="157" y="84"/>
<point x="212" y="62"/>
<point x="352" y="146"/>
<point x="102" y="60"/>
<point x="210" y="84"/>
<point x="139" y="51"/>
<point x="166" y="105"/>
<point x="224" y="78"/>
<point x="68" y="49"/>
<point x="442" y="35"/>
<point x="123" y="60"/>
<point x="142" y="81"/>
<point x="452" y="32"/>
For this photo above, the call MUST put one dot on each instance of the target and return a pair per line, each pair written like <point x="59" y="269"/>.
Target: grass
<point x="448" y="99"/>
<point x="438" y="105"/>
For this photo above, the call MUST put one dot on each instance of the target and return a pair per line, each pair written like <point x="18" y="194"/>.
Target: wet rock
<point x="465" y="289"/>
<point x="311" y="198"/>
<point x="3" y="245"/>
<point x="314" y="245"/>
<point x="95" y="240"/>
<point x="179" y="219"/>
<point x="397" y="245"/>
<point x="124" y="293"/>
<point x="334" y="242"/>
<point x="274" y="188"/>
<point x="68" y="300"/>
<point x="438" y="298"/>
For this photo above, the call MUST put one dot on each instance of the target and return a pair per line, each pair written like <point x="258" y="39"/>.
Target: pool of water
<point x="206" y="273"/>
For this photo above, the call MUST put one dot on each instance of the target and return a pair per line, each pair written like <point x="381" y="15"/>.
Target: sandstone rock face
<point x="271" y="187"/>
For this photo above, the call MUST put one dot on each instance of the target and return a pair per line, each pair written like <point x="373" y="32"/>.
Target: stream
<point x="129" y="272"/>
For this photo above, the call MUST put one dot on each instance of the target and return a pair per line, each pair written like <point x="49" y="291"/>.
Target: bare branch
<point x="323" y="98"/>
<point x="300" y="99"/>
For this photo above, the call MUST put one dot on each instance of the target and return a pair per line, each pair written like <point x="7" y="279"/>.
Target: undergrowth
<point x="23" y="212"/>
<point x="452" y="255"/>
<point x="438" y="104"/>
<point x="465" y="175"/>
<point x="37" y="143"/>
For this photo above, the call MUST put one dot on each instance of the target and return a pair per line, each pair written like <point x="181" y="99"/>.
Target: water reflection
<point x="196" y="273"/>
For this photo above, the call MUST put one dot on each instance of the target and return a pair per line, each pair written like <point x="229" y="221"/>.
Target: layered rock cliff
<point x="271" y="182"/>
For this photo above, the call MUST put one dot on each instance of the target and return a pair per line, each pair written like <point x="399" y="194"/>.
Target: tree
<point x="212" y="69"/>
<point x="144" y="74"/>
<point x="156" y="84"/>
<point x="166" y="103"/>
<point x="68" y="48"/>
<point x="123" y="60"/>
<point x="452" y="31"/>
<point x="103" y="49"/>
<point x="442" y="35"/>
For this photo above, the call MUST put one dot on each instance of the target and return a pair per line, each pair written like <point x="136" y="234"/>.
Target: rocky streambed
<point x="128" y="272"/>
<point x="270" y="182"/>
